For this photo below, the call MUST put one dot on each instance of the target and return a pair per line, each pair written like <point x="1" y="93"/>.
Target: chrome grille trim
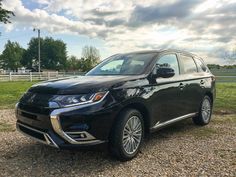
<point x="55" y="120"/>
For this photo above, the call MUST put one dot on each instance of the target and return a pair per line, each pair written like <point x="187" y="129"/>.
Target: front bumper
<point x="62" y="128"/>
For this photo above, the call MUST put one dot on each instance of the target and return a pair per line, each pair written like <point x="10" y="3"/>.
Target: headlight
<point x="72" y="100"/>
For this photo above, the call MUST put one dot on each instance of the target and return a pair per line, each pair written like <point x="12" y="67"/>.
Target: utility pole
<point x="38" y="48"/>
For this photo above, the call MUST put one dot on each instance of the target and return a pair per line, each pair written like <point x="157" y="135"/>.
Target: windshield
<point x="123" y="64"/>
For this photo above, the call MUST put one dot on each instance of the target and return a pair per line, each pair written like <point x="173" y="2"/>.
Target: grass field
<point x="225" y="98"/>
<point x="10" y="92"/>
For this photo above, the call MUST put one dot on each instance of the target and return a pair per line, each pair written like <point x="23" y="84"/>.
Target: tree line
<point x="215" y="66"/>
<point x="53" y="53"/>
<point x="53" y="56"/>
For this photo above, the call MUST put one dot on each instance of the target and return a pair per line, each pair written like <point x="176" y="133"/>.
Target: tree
<point x="73" y="63"/>
<point x="30" y="57"/>
<point x="53" y="54"/>
<point x="213" y="66"/>
<point x="12" y="55"/>
<point x="1" y="62"/>
<point x="5" y="14"/>
<point x="90" y="58"/>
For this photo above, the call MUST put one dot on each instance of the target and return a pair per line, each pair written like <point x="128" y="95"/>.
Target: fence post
<point x="48" y="75"/>
<point x="10" y="77"/>
<point x="31" y="77"/>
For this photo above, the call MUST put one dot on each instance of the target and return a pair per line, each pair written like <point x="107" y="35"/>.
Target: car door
<point x="167" y="102"/>
<point x="193" y="82"/>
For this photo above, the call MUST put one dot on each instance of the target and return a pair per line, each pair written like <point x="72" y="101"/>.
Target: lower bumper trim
<point x="35" y="134"/>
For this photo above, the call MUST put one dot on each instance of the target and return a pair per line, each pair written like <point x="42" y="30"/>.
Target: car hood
<point x="81" y="84"/>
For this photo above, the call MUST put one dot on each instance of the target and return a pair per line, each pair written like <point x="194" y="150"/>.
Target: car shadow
<point x="37" y="158"/>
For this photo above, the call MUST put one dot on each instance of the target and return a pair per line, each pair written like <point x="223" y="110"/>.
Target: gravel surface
<point x="180" y="150"/>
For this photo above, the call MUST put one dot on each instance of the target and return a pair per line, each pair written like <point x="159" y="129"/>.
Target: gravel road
<point x="180" y="150"/>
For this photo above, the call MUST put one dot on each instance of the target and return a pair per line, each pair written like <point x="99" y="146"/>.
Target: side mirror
<point x="164" y="72"/>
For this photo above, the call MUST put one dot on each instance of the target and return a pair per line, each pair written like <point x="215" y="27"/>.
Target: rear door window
<point x="189" y="66"/>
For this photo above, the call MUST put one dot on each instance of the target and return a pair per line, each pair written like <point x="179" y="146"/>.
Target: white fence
<point x="36" y="76"/>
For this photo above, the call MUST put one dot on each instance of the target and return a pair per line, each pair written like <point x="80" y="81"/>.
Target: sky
<point x="203" y="27"/>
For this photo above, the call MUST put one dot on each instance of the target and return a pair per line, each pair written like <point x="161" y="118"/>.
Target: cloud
<point x="100" y="12"/>
<point x="43" y="2"/>
<point x="180" y="9"/>
<point x="205" y="27"/>
<point x="51" y="22"/>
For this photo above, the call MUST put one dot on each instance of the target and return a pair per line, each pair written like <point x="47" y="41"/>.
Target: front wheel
<point x="127" y="135"/>
<point x="204" y="115"/>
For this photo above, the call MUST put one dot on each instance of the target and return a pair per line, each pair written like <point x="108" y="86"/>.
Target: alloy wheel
<point x="206" y="110"/>
<point x="132" y="134"/>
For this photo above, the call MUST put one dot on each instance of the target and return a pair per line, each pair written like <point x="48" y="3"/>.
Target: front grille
<point x="28" y="115"/>
<point x="36" y="99"/>
<point x="34" y="109"/>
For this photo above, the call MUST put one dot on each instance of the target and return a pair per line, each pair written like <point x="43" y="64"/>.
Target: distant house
<point x="23" y="70"/>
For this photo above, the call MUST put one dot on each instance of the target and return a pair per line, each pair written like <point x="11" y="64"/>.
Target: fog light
<point x="82" y="135"/>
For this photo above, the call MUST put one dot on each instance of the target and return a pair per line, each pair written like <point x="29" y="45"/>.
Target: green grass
<point x="201" y="132"/>
<point x="10" y="92"/>
<point x="5" y="127"/>
<point x="230" y="118"/>
<point x="225" y="98"/>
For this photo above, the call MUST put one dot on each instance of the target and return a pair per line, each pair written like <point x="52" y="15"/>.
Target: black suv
<point x="118" y="101"/>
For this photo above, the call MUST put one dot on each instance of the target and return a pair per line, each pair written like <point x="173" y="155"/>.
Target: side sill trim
<point x="159" y="125"/>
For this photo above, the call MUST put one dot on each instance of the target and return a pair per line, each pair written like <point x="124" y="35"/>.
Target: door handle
<point x="181" y="86"/>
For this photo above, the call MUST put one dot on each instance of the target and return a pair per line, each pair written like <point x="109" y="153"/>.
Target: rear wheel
<point x="127" y="135"/>
<point x="204" y="115"/>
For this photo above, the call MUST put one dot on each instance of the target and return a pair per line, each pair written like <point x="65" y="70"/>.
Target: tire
<point x="121" y="141"/>
<point x="205" y="111"/>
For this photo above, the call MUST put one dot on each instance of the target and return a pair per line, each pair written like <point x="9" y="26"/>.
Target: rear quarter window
<point x="189" y="66"/>
<point x="200" y="65"/>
